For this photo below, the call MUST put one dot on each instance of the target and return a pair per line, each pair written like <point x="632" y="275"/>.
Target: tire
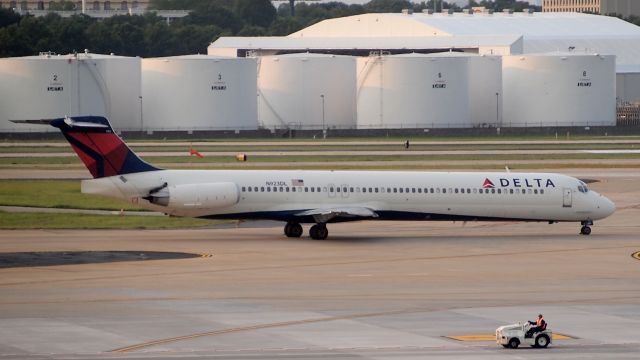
<point x="293" y="230"/>
<point x="514" y="343"/>
<point x="585" y="230"/>
<point x="542" y="341"/>
<point x="318" y="232"/>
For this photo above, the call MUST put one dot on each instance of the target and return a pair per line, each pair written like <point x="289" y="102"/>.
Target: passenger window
<point x="480" y="191"/>
<point x="395" y="190"/>
<point x="400" y="190"/>
<point x="456" y="190"/>
<point x="350" y="189"/>
<point x="438" y="190"/>
<point x="499" y="191"/>
<point x="249" y="188"/>
<point x="287" y="189"/>
<point x="468" y="191"/>
<point x="262" y="189"/>
<point x="511" y="191"/>
<point x="431" y="190"/>
<point x="406" y="190"/>
<point x="541" y="191"/>
<point x="535" y="191"/>
<point x="444" y="191"/>
<point x="364" y="190"/>
<point x="243" y="189"/>
<point x="475" y="191"/>
<point x="493" y="191"/>
<point x="524" y="191"/>
<point x="413" y="190"/>
<point x="331" y="189"/>
<point x="306" y="189"/>
<point x="313" y="189"/>
<point x="419" y="190"/>
<point x="337" y="189"/>
<point x="376" y="189"/>
<point x="281" y="189"/>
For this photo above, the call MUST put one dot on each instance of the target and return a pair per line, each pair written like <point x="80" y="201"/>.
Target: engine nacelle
<point x="196" y="196"/>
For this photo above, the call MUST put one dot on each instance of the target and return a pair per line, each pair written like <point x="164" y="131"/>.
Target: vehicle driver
<point x="539" y="325"/>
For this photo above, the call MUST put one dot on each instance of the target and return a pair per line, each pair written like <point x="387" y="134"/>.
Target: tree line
<point x="149" y="35"/>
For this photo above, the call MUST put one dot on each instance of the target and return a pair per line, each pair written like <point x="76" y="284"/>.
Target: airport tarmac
<point x="373" y="290"/>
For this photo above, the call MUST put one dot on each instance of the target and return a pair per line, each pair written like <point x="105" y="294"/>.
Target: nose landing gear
<point x="586" y="229"/>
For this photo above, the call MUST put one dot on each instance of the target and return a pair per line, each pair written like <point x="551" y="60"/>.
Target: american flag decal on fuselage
<point x="297" y="182"/>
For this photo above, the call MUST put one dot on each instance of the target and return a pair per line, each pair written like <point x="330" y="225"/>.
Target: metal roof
<point x="520" y="32"/>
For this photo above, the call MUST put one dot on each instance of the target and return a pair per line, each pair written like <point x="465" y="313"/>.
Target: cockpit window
<point x="582" y="187"/>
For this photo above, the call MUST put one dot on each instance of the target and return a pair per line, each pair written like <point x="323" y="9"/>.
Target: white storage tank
<point x="485" y="90"/>
<point x="49" y="86"/>
<point x="307" y="91"/>
<point x="559" y="90"/>
<point x="199" y="92"/>
<point x="413" y="91"/>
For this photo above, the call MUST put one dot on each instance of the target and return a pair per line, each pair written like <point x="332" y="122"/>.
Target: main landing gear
<point x="293" y="230"/>
<point x="586" y="229"/>
<point x="317" y="231"/>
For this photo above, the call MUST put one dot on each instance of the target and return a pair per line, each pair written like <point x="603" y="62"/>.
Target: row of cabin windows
<point x="391" y="190"/>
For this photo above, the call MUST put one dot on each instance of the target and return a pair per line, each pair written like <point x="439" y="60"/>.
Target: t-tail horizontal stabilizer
<point x="98" y="146"/>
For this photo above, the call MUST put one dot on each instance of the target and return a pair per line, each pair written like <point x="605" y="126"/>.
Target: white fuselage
<point x="279" y="194"/>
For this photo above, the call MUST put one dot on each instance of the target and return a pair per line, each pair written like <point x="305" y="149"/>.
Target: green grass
<point x="82" y="221"/>
<point x="212" y="147"/>
<point x="330" y="158"/>
<point x="55" y="194"/>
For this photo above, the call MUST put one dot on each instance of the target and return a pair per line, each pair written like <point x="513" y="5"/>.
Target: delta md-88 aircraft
<point x="322" y="197"/>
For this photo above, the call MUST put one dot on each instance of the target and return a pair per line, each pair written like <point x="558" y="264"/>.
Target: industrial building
<point x="49" y="86"/>
<point x="199" y="92"/>
<point x="624" y="8"/>
<point x="371" y="71"/>
<point x="569" y="38"/>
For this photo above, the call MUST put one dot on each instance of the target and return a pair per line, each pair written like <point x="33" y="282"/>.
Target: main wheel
<point x="293" y="230"/>
<point x="318" y="232"/>
<point x="585" y="230"/>
<point x="514" y="343"/>
<point x="542" y="341"/>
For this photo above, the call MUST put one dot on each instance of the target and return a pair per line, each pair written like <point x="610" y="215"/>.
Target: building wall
<point x="90" y="4"/>
<point x="628" y="87"/>
<point x="622" y="7"/>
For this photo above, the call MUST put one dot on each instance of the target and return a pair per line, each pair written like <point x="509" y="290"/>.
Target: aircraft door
<point x="566" y="197"/>
<point x="331" y="190"/>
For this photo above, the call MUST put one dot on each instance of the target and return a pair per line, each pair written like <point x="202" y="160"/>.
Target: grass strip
<point x="15" y="221"/>
<point x="63" y="194"/>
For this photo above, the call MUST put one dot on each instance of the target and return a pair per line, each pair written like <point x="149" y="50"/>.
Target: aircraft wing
<point x="323" y="215"/>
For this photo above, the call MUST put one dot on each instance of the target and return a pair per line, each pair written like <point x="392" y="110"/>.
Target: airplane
<point x="321" y="197"/>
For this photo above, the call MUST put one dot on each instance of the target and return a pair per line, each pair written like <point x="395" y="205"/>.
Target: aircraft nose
<point x="606" y="207"/>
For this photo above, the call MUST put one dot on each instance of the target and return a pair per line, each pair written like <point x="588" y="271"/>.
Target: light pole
<point x="324" y="130"/>
<point x="497" y="110"/>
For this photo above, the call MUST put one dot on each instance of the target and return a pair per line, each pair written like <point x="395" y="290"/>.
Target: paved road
<point x="374" y="290"/>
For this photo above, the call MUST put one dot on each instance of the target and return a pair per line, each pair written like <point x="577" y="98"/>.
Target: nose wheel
<point x="586" y="228"/>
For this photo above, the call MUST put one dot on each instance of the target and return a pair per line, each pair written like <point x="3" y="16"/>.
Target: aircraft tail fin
<point x="101" y="150"/>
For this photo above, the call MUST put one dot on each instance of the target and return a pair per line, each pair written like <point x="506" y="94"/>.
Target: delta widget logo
<point x="488" y="184"/>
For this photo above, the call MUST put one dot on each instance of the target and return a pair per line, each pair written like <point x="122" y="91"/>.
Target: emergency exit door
<point x="566" y="197"/>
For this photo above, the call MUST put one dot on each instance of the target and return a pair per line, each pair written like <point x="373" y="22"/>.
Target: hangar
<point x="561" y="46"/>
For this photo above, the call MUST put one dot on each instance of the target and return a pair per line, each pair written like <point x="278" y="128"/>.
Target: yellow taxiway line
<point x="492" y="337"/>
